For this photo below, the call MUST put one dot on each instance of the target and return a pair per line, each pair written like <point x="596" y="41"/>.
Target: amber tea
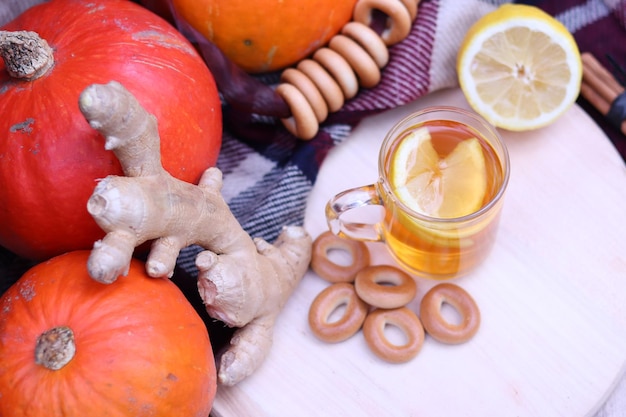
<point x="445" y="248"/>
<point x="443" y="172"/>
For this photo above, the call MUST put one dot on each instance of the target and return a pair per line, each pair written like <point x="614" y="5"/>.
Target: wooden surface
<point x="552" y="296"/>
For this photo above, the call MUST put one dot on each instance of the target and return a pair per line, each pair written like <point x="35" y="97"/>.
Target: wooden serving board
<point x="552" y="296"/>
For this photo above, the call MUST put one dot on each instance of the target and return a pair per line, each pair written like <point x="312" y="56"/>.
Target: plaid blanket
<point x="268" y="174"/>
<point x="267" y="180"/>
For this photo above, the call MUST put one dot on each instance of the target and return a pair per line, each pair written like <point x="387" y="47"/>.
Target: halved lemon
<point x="519" y="67"/>
<point x="448" y="187"/>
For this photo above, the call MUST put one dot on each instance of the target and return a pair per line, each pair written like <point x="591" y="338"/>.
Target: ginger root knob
<point x="243" y="282"/>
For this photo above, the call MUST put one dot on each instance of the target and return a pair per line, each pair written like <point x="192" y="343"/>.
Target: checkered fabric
<point x="268" y="174"/>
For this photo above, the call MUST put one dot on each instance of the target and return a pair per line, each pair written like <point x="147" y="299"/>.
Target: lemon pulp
<point x="519" y="67"/>
<point x="448" y="187"/>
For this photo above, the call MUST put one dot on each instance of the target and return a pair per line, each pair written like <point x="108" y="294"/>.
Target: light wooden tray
<point x="552" y="296"/>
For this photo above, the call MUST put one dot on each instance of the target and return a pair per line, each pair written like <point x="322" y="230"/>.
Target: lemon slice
<point x="519" y="67"/>
<point x="448" y="187"/>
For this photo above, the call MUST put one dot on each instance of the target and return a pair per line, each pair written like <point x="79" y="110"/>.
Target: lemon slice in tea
<point x="448" y="187"/>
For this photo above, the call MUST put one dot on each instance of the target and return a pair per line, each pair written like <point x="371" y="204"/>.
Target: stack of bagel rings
<point x="374" y="296"/>
<point x="352" y="59"/>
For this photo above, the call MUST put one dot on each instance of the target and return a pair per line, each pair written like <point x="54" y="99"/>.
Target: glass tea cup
<point x="426" y="243"/>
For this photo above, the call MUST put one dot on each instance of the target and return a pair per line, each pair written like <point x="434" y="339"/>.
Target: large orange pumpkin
<point x="50" y="158"/>
<point x="73" y="347"/>
<point x="266" y="35"/>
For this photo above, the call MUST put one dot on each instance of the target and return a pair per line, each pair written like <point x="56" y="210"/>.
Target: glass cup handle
<point x="348" y="200"/>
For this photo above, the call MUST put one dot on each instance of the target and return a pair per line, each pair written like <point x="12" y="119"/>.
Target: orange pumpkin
<point x="266" y="35"/>
<point x="70" y="346"/>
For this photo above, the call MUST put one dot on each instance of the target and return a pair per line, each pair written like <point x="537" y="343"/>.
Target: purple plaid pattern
<point x="268" y="174"/>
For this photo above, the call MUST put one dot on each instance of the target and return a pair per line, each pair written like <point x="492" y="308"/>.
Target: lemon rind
<point x="536" y="22"/>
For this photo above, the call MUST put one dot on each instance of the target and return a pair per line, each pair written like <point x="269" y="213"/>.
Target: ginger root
<point x="243" y="282"/>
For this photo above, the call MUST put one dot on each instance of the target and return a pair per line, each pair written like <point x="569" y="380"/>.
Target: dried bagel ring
<point x="361" y="62"/>
<point x="434" y="322"/>
<point x="331" y="91"/>
<point x="402" y="318"/>
<point x="308" y="89"/>
<point x="369" y="41"/>
<point x="329" y="300"/>
<point x="398" y="18"/>
<point x="331" y="271"/>
<point x="411" y="6"/>
<point x="303" y="121"/>
<point x="385" y="286"/>
<point x="339" y="69"/>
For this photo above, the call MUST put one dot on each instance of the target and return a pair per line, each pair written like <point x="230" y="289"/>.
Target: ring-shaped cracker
<point x="329" y="300"/>
<point x="385" y="286"/>
<point x="398" y="18"/>
<point x="303" y="121"/>
<point x="334" y="272"/>
<point x="406" y="321"/>
<point x="434" y="322"/>
<point x="369" y="40"/>
<point x="339" y="69"/>
<point x="308" y="89"/>
<point x="411" y="6"/>
<point x="362" y="63"/>
<point x="326" y="84"/>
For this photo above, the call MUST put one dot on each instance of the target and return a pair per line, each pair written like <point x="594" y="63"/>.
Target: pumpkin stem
<point x="55" y="348"/>
<point x="26" y="55"/>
